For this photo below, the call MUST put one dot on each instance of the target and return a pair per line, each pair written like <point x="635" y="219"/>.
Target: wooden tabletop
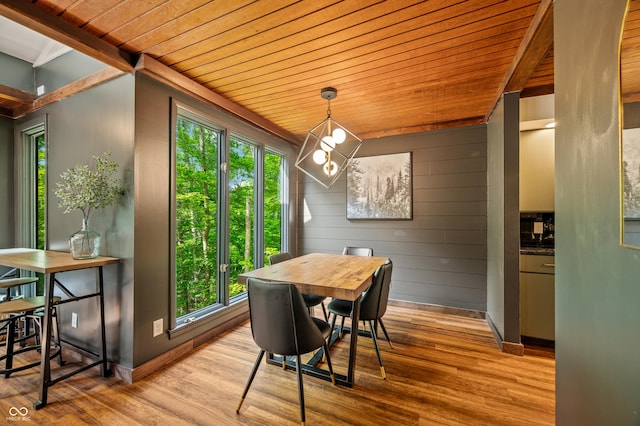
<point x="331" y="275"/>
<point x="47" y="261"/>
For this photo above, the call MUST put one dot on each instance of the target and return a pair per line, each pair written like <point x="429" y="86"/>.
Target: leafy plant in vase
<point x="87" y="189"/>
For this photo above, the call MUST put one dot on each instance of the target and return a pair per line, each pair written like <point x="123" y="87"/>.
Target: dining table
<point x="51" y="264"/>
<point x="331" y="275"/>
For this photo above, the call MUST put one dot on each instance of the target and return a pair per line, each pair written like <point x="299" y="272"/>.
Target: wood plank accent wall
<point x="439" y="256"/>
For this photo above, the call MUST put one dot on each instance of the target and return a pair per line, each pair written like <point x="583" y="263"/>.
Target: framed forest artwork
<point x="631" y="173"/>
<point x="380" y="187"/>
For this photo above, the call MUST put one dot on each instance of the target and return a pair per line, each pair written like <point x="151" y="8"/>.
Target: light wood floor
<point x="443" y="370"/>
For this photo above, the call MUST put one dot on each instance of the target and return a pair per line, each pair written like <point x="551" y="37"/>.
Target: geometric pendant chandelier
<point x="328" y="147"/>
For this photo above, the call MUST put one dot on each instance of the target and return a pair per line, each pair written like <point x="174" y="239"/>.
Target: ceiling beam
<point x="535" y="45"/>
<point x="31" y="16"/>
<point x="15" y="95"/>
<point x="86" y="83"/>
<point x="80" y="85"/>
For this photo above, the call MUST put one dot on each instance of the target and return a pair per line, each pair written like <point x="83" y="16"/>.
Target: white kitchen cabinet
<point x="537" y="297"/>
<point x="537" y="170"/>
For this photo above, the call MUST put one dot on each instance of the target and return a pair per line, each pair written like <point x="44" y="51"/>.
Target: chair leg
<point x="342" y="328"/>
<point x="324" y="311"/>
<point x="300" y="389"/>
<point x="333" y="325"/>
<point x="251" y="377"/>
<point x="384" y="330"/>
<point x="375" y="343"/>
<point x="328" y="357"/>
<point x="56" y="336"/>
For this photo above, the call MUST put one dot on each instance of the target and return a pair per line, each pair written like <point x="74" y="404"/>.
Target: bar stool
<point x="10" y="283"/>
<point x="17" y="310"/>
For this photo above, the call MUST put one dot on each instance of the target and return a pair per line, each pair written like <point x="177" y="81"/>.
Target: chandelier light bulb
<point x="339" y="135"/>
<point x="319" y="157"/>
<point x="330" y="168"/>
<point x="327" y="144"/>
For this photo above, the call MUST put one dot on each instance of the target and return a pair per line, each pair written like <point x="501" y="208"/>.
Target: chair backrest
<point x="358" y="251"/>
<point x="280" y="257"/>
<point x="374" y="300"/>
<point x="280" y="322"/>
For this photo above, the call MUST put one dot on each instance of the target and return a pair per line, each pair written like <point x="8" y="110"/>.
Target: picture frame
<point x="631" y="173"/>
<point x="380" y="187"/>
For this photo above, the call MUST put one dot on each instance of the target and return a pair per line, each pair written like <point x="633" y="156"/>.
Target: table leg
<point x="45" y="341"/>
<point x="104" y="369"/>
<point x="355" y="318"/>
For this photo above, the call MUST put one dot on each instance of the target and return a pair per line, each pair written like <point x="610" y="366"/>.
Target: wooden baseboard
<point x="179" y="351"/>
<point x="513" y="348"/>
<point x="468" y="313"/>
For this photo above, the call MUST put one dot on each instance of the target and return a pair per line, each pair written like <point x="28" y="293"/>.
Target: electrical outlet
<point x="157" y="327"/>
<point x="74" y="320"/>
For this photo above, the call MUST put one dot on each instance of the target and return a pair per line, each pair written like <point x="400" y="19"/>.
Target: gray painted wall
<point x="6" y="185"/>
<point x="17" y="73"/>
<point x="597" y="285"/>
<point x="439" y="256"/>
<point x="65" y="69"/>
<point x="503" y="280"/>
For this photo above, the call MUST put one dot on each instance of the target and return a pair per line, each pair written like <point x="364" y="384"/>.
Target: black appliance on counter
<point x="536" y="230"/>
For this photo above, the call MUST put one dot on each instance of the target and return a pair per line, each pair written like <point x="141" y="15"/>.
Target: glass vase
<point x="85" y="243"/>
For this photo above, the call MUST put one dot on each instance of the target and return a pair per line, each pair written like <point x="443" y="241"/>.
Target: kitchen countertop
<point x="538" y="251"/>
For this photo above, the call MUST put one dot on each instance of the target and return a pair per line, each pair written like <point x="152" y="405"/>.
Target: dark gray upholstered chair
<point x="373" y="305"/>
<point x="310" y="300"/>
<point x="358" y="251"/>
<point x="281" y="324"/>
<point x="364" y="251"/>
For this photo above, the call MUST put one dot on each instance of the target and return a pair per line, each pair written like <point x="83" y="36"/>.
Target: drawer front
<point x="537" y="264"/>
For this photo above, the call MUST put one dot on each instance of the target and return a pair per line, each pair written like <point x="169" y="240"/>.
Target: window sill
<point x="189" y="330"/>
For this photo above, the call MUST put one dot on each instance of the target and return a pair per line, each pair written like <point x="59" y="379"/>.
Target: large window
<point x="41" y="185"/>
<point x="228" y="213"/>
<point x="273" y="205"/>
<point x="241" y="211"/>
<point x="196" y="209"/>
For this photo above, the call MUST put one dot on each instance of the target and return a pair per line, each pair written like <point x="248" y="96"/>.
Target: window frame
<point x="25" y="185"/>
<point x="226" y="307"/>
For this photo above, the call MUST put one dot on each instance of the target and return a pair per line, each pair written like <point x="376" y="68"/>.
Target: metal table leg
<point x="45" y="366"/>
<point x="355" y="318"/>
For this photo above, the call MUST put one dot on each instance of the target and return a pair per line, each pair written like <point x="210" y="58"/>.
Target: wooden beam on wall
<point x="149" y="66"/>
<point x="95" y="79"/>
<point x="29" y="15"/>
<point x="535" y="44"/>
<point x="15" y="95"/>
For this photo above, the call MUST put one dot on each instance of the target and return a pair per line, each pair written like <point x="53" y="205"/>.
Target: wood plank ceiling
<point x="400" y="66"/>
<point x="630" y="54"/>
